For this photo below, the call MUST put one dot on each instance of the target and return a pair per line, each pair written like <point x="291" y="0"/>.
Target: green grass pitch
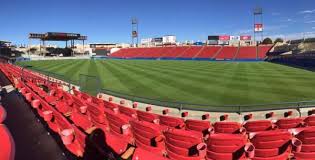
<point x="198" y="82"/>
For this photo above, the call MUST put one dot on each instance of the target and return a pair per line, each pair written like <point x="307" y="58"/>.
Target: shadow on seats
<point x="96" y="147"/>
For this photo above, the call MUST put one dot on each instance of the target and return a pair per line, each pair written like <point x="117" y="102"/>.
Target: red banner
<point x="245" y="38"/>
<point x="224" y="38"/>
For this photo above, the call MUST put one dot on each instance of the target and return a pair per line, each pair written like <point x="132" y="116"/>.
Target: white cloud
<point x="313" y="27"/>
<point x="310" y="22"/>
<point x="307" y="11"/>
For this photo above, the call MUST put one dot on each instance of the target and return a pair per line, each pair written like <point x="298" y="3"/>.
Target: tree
<point x="267" y="41"/>
<point x="280" y="40"/>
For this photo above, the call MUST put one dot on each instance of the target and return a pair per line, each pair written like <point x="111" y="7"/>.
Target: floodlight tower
<point x="258" y="23"/>
<point x="134" y="31"/>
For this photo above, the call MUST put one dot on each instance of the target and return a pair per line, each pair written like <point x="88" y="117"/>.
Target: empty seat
<point x="7" y="146"/>
<point x="79" y="114"/>
<point x="148" y="139"/>
<point x="130" y="112"/>
<point x="147" y="116"/>
<point x="172" y="122"/>
<point x="271" y="144"/>
<point x="307" y="137"/>
<point x="202" y="126"/>
<point x="119" y="135"/>
<point x="97" y="116"/>
<point x="287" y="123"/>
<point x="310" y="120"/>
<point x="228" y="127"/>
<point x="184" y="145"/>
<point x="228" y="147"/>
<point x="259" y="125"/>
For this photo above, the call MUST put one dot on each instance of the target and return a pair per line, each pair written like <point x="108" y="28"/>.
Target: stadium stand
<point x="208" y="52"/>
<point x="195" y="52"/>
<point x="247" y="53"/>
<point x="130" y="132"/>
<point x="227" y="53"/>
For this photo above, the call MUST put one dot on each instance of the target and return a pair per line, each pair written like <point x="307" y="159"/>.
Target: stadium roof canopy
<point x="57" y="36"/>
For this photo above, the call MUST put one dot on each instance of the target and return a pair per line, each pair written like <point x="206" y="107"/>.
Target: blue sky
<point x="109" y="20"/>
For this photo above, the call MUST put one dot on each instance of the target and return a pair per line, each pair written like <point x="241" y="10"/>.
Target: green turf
<point x="213" y="83"/>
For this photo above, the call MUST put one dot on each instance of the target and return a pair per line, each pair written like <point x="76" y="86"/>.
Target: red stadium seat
<point x="202" y="126"/>
<point x="258" y="125"/>
<point x="130" y="112"/>
<point x="310" y="120"/>
<point x="79" y="114"/>
<point x="120" y="134"/>
<point x="228" y="147"/>
<point x="287" y="123"/>
<point x="271" y="145"/>
<point x="172" y="122"/>
<point x="307" y="137"/>
<point x="97" y="116"/>
<point x="148" y="117"/>
<point x="228" y="127"/>
<point x="184" y="145"/>
<point x="148" y="139"/>
<point x="7" y="146"/>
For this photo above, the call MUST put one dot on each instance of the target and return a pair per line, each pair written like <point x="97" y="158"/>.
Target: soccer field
<point x="198" y="82"/>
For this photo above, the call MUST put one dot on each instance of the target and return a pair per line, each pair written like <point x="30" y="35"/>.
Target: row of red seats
<point x="7" y="146"/>
<point x="186" y="139"/>
<point x="227" y="52"/>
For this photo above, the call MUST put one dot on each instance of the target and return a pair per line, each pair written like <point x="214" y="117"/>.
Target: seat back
<point x="147" y="116"/>
<point x="227" y="127"/>
<point x="271" y="144"/>
<point x="287" y="123"/>
<point x="259" y="125"/>
<point x="116" y="123"/>
<point x="307" y="136"/>
<point x="172" y="122"/>
<point x="198" y="125"/>
<point x="226" y="146"/>
<point x="310" y="120"/>
<point x="130" y="112"/>
<point x="7" y="146"/>
<point x="147" y="136"/>
<point x="182" y="144"/>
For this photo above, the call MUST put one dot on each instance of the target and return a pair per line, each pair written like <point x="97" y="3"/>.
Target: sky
<point x="109" y="21"/>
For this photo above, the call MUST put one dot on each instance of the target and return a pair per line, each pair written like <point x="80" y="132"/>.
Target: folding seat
<point x="148" y="140"/>
<point x="310" y="120"/>
<point x="85" y="97"/>
<point x="287" y="123"/>
<point x="97" y="116"/>
<point x="148" y="117"/>
<point x="110" y="105"/>
<point x="79" y="114"/>
<point x="97" y="101"/>
<point x="184" y="145"/>
<point x="228" y="127"/>
<point x="307" y="137"/>
<point x="259" y="125"/>
<point x="271" y="145"/>
<point x="7" y="146"/>
<point x="172" y="122"/>
<point x="71" y="136"/>
<point x="130" y="112"/>
<point x="202" y="126"/>
<point x="65" y="104"/>
<point x="228" y="147"/>
<point x="76" y="92"/>
<point x="119" y="135"/>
